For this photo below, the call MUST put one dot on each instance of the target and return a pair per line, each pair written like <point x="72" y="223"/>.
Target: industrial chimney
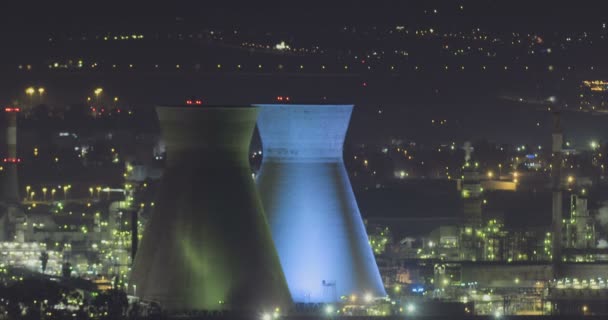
<point x="12" y="216"/>
<point x="556" y="175"/>
<point x="10" y="186"/>
<point x="310" y="204"/>
<point x="207" y="245"/>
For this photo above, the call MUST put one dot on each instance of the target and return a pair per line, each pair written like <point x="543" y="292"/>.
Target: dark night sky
<point x="311" y="19"/>
<point x="500" y="15"/>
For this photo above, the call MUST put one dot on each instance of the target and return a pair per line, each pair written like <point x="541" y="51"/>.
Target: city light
<point x="348" y="200"/>
<point x="281" y="46"/>
<point x="410" y="308"/>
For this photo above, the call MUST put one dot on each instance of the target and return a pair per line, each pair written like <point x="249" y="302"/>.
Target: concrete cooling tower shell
<point x="207" y="245"/>
<point x="310" y="205"/>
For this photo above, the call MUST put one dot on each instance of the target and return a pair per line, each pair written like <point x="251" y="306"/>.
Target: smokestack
<point x="207" y="245"/>
<point x="134" y="233"/>
<point x="310" y="204"/>
<point x="557" y="216"/>
<point x="10" y="187"/>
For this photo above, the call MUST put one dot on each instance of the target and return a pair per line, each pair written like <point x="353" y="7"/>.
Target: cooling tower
<point x="310" y="205"/>
<point x="207" y="245"/>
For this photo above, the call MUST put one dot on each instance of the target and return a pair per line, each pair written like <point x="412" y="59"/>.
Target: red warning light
<point x="287" y="98"/>
<point x="279" y="98"/>
<point x="12" y="109"/>
<point x="199" y="102"/>
<point x="11" y="160"/>
<point x="188" y="101"/>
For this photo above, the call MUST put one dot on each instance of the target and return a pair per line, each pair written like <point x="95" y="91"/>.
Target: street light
<point x="53" y="194"/>
<point x="97" y="93"/>
<point x="44" y="190"/>
<point x="65" y="191"/>
<point x="41" y="92"/>
<point x="410" y="308"/>
<point x="594" y="145"/>
<point x="30" y="93"/>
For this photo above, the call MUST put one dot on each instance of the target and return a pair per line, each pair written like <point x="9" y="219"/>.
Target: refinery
<point x="400" y="161"/>
<point x="200" y="245"/>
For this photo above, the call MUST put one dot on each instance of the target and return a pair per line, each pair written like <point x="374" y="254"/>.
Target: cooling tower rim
<point x="266" y="105"/>
<point x="206" y="106"/>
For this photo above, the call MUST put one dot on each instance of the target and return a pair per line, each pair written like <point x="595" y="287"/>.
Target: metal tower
<point x="310" y="204"/>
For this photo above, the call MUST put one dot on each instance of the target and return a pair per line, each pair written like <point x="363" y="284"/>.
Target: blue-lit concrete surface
<point x="207" y="245"/>
<point x="310" y="205"/>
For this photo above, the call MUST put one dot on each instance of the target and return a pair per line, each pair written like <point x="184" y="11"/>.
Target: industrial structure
<point x="12" y="216"/>
<point x="592" y="96"/>
<point x="556" y="184"/>
<point x="310" y="204"/>
<point x="207" y="245"/>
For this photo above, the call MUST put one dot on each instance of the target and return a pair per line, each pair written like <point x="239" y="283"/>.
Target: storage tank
<point x="207" y="245"/>
<point x="310" y="204"/>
